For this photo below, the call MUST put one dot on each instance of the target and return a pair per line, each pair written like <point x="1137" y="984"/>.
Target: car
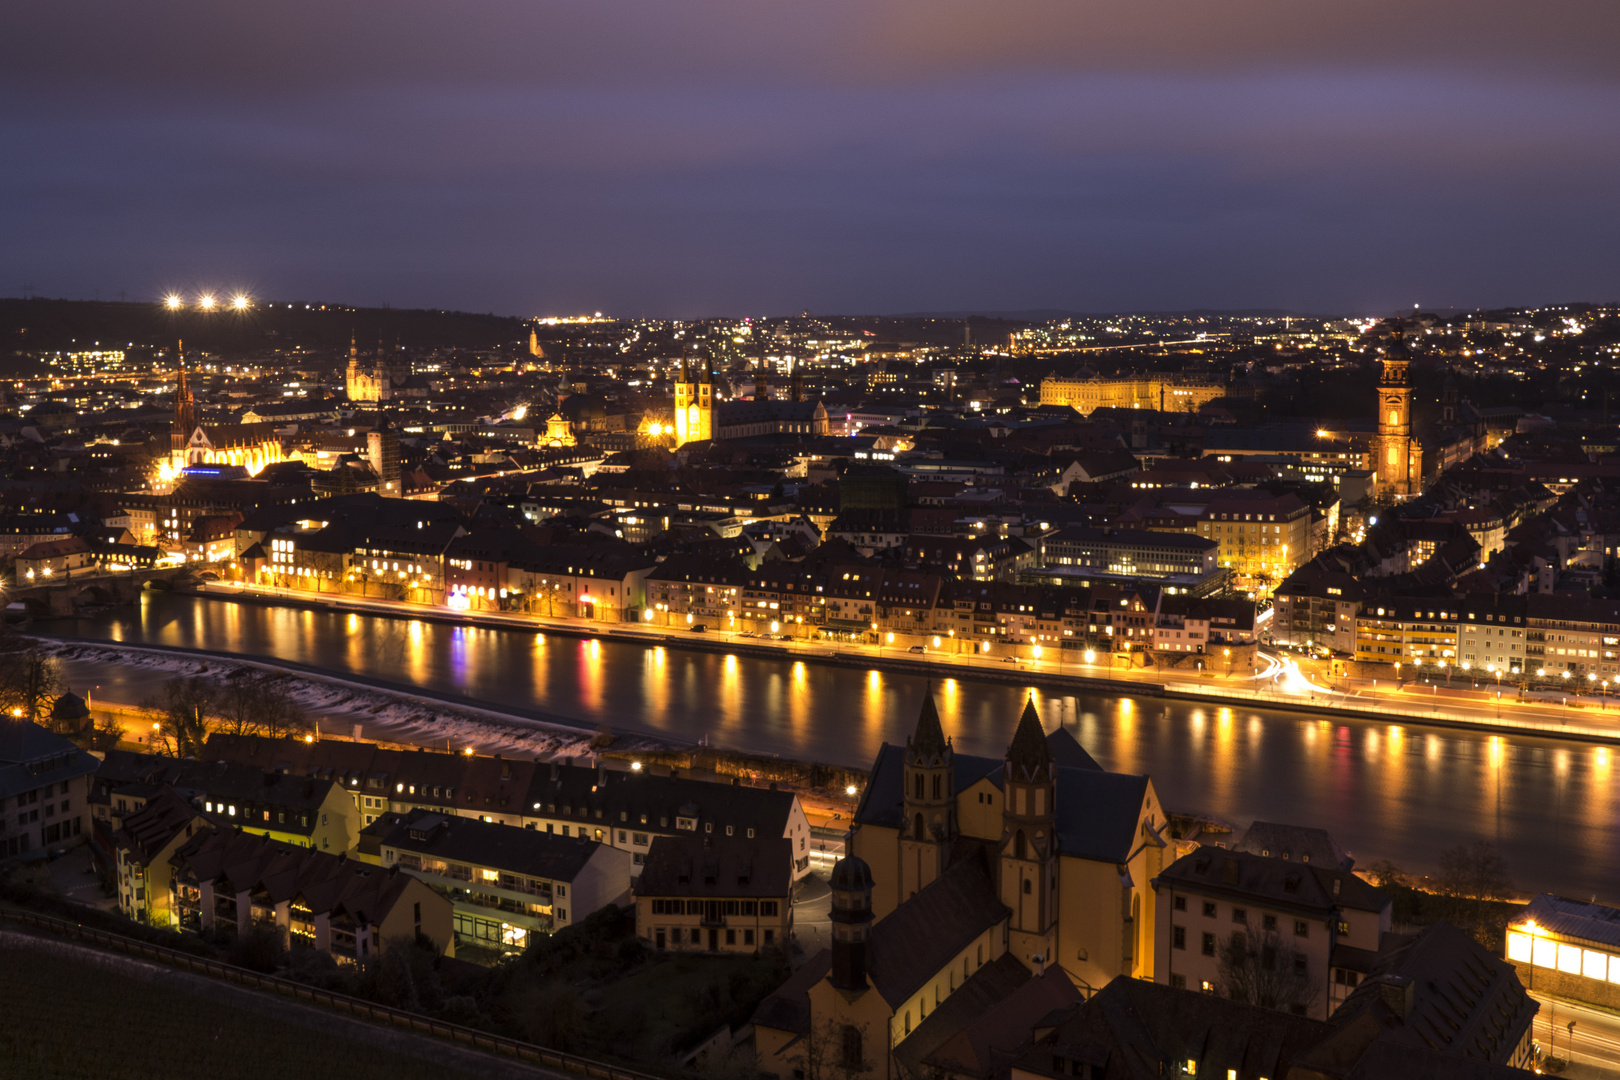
<point x="916" y="649"/>
<point x="699" y="628"/>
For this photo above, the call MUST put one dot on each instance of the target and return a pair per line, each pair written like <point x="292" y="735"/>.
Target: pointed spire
<point x="929" y="739"/>
<point x="1029" y="754"/>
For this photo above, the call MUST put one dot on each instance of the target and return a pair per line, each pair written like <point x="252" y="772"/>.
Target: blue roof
<point x="1097" y="811"/>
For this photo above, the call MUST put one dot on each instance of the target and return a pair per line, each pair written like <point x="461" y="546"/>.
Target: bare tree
<point x="837" y="1051"/>
<point x="184" y="705"/>
<point x="1474" y="878"/>
<point x="257" y="703"/>
<point x="1265" y="969"/>
<point x="278" y="715"/>
<point x="30" y="682"/>
<point x="237" y="703"/>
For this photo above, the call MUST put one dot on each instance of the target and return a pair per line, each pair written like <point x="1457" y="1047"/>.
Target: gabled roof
<point x="481" y="843"/>
<point x="917" y="939"/>
<point x="150" y="829"/>
<point x="1438" y="991"/>
<point x="987" y="1021"/>
<point x="1279" y="882"/>
<point x="731" y="866"/>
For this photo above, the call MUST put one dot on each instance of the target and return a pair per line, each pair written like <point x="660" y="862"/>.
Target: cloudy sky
<point x="690" y="157"/>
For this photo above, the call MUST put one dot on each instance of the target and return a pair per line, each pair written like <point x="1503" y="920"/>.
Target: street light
<point x="206" y="301"/>
<point x="173" y="302"/>
<point x="240" y="302"/>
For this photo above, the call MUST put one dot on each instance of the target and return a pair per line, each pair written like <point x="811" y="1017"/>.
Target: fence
<point x="370" y="1010"/>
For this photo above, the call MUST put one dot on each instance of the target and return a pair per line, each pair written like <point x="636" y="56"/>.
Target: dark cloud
<point x="684" y="158"/>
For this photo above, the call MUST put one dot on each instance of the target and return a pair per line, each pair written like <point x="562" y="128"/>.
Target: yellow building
<point x="1164" y="392"/>
<point x="1398" y="458"/>
<point x="694" y="406"/>
<point x="1057" y="829"/>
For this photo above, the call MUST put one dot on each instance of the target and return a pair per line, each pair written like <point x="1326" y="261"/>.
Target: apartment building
<point x="1316" y="608"/>
<point x="304" y="810"/>
<point x="229" y="881"/>
<point x="1572" y="638"/>
<point x="143" y="851"/>
<point x="730" y="894"/>
<point x="1324" y="922"/>
<point x="506" y="884"/>
<point x="1407" y="631"/>
<point x="45" y="784"/>
<point x="624" y="809"/>
<point x="1492" y="634"/>
<point x="1139" y="553"/>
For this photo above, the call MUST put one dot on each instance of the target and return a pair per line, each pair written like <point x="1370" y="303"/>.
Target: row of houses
<point x="1570" y="639"/>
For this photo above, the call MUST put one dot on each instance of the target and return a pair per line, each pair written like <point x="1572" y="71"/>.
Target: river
<point x="1386" y="791"/>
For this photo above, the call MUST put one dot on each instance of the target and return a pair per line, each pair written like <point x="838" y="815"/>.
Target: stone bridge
<point x="62" y="596"/>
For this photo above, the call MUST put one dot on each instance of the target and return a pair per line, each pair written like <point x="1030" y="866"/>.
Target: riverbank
<point x="1525" y="717"/>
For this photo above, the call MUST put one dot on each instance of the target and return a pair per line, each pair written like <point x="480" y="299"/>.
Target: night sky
<point x="698" y="157"/>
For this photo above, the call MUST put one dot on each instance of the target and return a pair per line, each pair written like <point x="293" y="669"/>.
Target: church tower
<point x="1028" y="878"/>
<point x="929" y="828"/>
<point x="185" y="408"/>
<point x="1394" y="444"/>
<point x="694" y="405"/>
<point x="851" y="884"/>
<point x="382" y="447"/>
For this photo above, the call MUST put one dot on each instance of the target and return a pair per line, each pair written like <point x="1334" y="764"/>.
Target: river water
<point x="1385" y="791"/>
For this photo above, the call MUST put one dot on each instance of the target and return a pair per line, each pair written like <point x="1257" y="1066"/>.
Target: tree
<point x="1265" y="969"/>
<point x="1474" y="878"/>
<point x="30" y="681"/>
<point x="837" y="1051"/>
<point x="183" y="706"/>
<point x="257" y="703"/>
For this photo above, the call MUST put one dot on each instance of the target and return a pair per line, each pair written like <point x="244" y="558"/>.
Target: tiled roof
<point x="922" y="935"/>
<point x="482" y="843"/>
<point x="721" y="866"/>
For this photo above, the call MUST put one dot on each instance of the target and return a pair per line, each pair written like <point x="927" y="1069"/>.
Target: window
<point x="852" y="1044"/>
<point x="1301" y="965"/>
<point x="1209" y="909"/>
<point x="1181" y="903"/>
<point x="1178" y="937"/>
<point x="1209" y="945"/>
<point x="1302" y="928"/>
<point x="1178" y="981"/>
<point x="1240" y="915"/>
<point x="1269" y="921"/>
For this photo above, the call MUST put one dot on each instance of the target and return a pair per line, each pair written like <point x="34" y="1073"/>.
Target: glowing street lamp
<point x="240" y="302"/>
<point x="206" y="301"/>
<point x="173" y="302"/>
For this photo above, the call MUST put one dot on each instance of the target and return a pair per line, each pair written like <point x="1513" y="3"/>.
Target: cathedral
<point x="384" y="379"/>
<point x="1024" y="880"/>
<point x="694" y="405"/>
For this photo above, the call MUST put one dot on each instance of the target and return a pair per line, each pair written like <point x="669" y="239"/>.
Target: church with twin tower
<point x="1019" y="881"/>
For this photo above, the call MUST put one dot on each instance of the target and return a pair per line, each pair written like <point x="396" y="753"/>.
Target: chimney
<point x="554" y="769"/>
<point x="601" y="775"/>
<point x="354" y="732"/>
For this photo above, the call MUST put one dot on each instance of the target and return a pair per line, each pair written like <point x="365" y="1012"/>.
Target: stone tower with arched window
<point x="929" y="827"/>
<point x="1393" y="463"/>
<point x="1029" y="851"/>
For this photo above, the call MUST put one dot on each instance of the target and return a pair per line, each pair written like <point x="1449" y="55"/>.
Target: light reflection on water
<point x="1397" y="791"/>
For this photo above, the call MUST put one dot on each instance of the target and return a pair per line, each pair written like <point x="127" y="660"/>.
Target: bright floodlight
<point x="240" y="302"/>
<point x="172" y="302"/>
<point x="206" y="301"/>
